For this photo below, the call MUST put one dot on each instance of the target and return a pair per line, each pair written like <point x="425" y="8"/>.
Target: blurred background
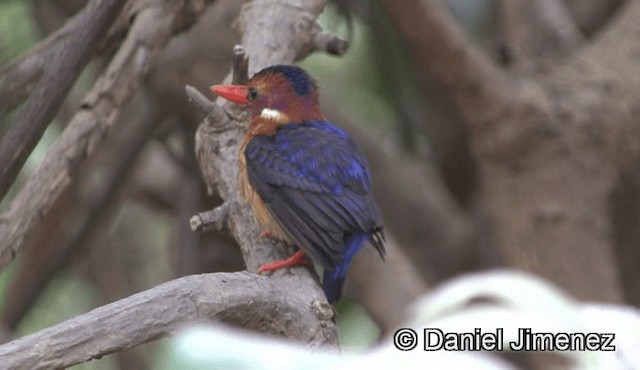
<point x="122" y="227"/>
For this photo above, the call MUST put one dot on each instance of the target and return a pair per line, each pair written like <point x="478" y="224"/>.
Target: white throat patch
<point x="272" y="114"/>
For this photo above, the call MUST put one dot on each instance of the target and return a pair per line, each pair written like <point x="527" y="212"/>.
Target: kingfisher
<point x="305" y="179"/>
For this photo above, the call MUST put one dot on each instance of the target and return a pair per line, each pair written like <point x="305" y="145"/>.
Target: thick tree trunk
<point x="551" y="142"/>
<point x="551" y="164"/>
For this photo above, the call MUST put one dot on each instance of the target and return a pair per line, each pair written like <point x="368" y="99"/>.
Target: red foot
<point x="265" y="234"/>
<point x="298" y="259"/>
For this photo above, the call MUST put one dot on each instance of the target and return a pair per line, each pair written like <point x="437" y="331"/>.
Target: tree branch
<point x="592" y="15"/>
<point x="243" y="299"/>
<point x="153" y="27"/>
<point x="441" y="47"/>
<point x="61" y="73"/>
<point x="534" y="31"/>
<point x="561" y="32"/>
<point x="215" y="219"/>
<point x="199" y="100"/>
<point x="18" y="79"/>
<point x="274" y="32"/>
<point x="91" y="211"/>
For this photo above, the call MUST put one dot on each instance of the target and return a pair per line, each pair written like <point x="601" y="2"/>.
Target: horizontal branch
<point x="152" y="29"/>
<point x="240" y="298"/>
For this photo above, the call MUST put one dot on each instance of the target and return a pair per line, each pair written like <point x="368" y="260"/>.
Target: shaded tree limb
<point x="18" y="79"/>
<point x="535" y="31"/>
<point x="592" y="15"/>
<point x="550" y="158"/>
<point x="153" y="27"/>
<point x="549" y="192"/>
<point x="436" y="42"/>
<point x="39" y="246"/>
<point x="92" y="211"/>
<point x="240" y="298"/>
<point x="61" y="72"/>
<point x="561" y="33"/>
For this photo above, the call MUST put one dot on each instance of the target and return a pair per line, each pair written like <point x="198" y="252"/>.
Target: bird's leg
<point x="298" y="259"/>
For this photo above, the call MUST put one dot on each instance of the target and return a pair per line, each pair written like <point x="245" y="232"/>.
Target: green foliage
<point x="68" y="295"/>
<point x="17" y="29"/>
<point x="356" y="329"/>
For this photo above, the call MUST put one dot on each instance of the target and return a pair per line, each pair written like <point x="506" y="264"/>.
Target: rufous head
<point x="281" y="93"/>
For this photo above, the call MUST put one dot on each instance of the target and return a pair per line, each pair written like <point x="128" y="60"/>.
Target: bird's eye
<point x="252" y="94"/>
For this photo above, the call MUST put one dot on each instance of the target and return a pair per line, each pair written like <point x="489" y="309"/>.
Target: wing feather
<point x="316" y="184"/>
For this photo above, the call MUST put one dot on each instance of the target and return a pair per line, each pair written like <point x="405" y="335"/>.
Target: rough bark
<point x="248" y="300"/>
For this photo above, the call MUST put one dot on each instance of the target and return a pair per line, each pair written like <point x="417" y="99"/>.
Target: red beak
<point x="234" y="93"/>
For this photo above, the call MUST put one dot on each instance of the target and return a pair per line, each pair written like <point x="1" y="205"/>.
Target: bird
<point x="305" y="179"/>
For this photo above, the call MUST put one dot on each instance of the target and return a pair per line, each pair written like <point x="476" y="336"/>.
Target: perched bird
<point x="305" y="179"/>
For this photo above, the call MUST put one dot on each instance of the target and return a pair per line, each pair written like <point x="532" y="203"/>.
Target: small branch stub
<point x="240" y="66"/>
<point x="215" y="219"/>
<point x="199" y="100"/>
<point x="330" y="43"/>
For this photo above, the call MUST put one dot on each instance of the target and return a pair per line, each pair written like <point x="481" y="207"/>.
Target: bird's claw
<point x="298" y="259"/>
<point x="265" y="234"/>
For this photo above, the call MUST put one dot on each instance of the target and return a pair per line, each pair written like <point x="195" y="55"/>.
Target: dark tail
<point x="332" y="286"/>
<point x="333" y="279"/>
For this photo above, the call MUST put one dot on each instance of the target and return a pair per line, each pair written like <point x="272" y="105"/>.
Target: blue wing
<point x="317" y="186"/>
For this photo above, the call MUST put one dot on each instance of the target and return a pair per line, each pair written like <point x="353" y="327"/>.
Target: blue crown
<point x="300" y="80"/>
